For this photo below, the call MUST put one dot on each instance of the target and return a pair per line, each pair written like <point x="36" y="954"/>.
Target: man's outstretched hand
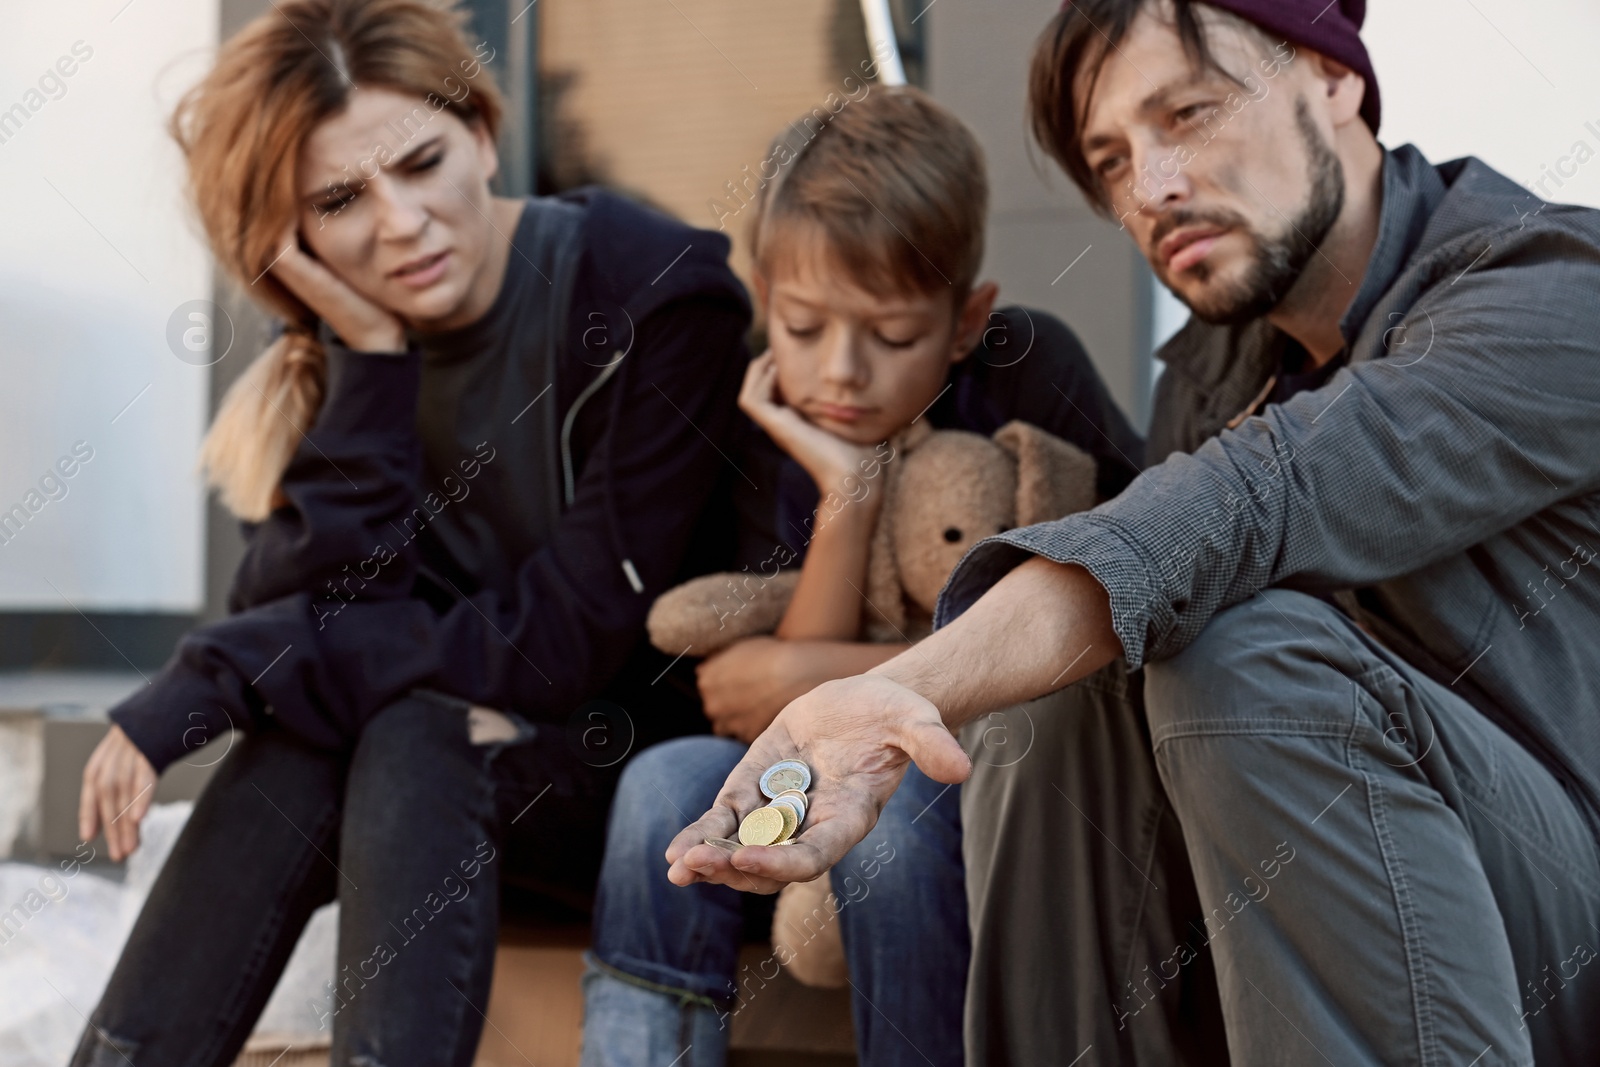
<point x="857" y="735"/>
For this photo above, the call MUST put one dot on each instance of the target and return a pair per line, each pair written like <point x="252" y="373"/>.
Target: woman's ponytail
<point x="260" y="421"/>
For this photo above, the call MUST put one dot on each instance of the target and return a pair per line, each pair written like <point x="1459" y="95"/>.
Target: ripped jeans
<point x="411" y="832"/>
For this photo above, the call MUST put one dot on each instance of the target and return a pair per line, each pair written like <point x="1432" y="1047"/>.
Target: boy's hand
<point x="857" y="735"/>
<point x="743" y="687"/>
<point x="118" y="786"/>
<point x="836" y="465"/>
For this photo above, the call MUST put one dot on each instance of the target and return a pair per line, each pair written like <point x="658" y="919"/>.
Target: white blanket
<point x="62" y="931"/>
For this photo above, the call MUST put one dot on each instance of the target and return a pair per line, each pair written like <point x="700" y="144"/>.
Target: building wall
<point x="1039" y="225"/>
<point x="671" y="101"/>
<point x="1512" y="82"/>
<point x="100" y="412"/>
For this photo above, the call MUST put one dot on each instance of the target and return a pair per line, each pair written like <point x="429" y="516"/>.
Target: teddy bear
<point x="947" y="490"/>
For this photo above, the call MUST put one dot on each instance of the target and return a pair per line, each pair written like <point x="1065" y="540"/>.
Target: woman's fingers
<point x="106" y="806"/>
<point x="142" y="780"/>
<point x="89" y="797"/>
<point x="118" y="789"/>
<point x="362" y="323"/>
<point x="286" y="264"/>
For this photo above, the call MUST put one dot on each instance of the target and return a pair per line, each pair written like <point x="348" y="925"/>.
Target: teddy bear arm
<point x="709" y="613"/>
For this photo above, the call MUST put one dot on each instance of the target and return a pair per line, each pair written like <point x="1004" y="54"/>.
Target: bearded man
<point x="1324" y="781"/>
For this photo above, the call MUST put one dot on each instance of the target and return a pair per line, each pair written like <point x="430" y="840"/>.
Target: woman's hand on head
<point x="830" y="460"/>
<point x="118" y="786"/>
<point x="360" y="323"/>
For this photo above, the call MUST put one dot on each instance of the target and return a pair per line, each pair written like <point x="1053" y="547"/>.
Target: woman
<point x="466" y="468"/>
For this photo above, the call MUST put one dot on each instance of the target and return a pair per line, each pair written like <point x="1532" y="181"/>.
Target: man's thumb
<point x="935" y="751"/>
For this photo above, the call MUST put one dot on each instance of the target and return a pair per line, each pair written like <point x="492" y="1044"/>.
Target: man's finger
<point x="718" y="822"/>
<point x="801" y="861"/>
<point x="709" y="863"/>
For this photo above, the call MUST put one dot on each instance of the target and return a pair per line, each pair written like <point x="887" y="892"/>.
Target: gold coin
<point x="761" y="827"/>
<point x="791" y="820"/>
<point x="787" y="800"/>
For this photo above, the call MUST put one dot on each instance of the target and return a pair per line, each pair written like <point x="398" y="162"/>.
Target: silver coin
<point x="785" y="774"/>
<point x="796" y="795"/>
<point x="793" y="803"/>
<point x="724" y="843"/>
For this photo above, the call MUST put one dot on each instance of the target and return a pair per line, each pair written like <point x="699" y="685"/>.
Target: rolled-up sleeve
<point x="1483" y="412"/>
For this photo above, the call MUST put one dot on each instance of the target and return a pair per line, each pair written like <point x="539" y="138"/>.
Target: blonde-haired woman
<point x="475" y="454"/>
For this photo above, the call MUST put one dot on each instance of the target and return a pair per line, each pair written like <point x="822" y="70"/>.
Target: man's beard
<point x="1275" y="262"/>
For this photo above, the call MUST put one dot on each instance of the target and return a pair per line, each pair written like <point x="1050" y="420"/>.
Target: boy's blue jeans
<point x="664" y="970"/>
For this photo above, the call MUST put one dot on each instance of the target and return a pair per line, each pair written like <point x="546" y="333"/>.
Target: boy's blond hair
<point x="894" y="186"/>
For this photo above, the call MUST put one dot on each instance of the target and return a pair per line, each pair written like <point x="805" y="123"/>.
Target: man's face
<point x="1227" y="187"/>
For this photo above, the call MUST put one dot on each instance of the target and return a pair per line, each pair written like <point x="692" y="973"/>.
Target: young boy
<point x="866" y="248"/>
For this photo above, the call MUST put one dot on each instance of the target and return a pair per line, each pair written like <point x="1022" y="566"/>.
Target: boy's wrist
<point x="840" y="512"/>
<point x="848" y="486"/>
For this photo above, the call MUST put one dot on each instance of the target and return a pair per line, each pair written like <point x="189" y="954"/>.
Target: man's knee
<point x="1268" y="661"/>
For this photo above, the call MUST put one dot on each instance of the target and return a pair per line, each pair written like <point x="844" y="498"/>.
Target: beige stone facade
<point x="672" y="99"/>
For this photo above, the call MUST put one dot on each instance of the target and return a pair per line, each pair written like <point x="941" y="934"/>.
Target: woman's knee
<point x="409" y="725"/>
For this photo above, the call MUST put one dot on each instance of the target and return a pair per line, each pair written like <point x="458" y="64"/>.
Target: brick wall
<point x="670" y="99"/>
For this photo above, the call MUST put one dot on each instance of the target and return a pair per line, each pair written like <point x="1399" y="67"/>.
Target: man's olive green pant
<point x="1284" y="845"/>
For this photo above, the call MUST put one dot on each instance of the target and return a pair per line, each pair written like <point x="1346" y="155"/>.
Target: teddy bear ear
<point x="1054" y="478"/>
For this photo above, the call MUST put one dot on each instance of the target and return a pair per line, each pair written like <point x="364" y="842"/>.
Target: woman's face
<point x="394" y="198"/>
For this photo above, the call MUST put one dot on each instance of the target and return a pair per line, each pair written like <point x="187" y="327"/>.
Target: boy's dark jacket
<point x="648" y="452"/>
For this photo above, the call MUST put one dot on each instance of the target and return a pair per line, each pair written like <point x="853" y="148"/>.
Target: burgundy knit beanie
<point x="1334" y="29"/>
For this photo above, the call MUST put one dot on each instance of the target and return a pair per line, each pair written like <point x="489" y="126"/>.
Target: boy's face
<point x="859" y="365"/>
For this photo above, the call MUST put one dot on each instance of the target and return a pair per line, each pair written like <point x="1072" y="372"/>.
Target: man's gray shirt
<point x="1444" y="486"/>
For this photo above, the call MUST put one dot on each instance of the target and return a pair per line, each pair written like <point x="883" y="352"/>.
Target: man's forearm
<point x="1041" y="627"/>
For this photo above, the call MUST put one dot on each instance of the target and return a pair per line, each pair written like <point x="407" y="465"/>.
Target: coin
<point x="791" y="819"/>
<point x="793" y="801"/>
<point x="723" y="843"/>
<point x="764" y="826"/>
<point x="785" y="774"/>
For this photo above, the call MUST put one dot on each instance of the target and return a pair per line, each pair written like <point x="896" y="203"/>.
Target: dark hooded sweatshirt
<point x="502" y="540"/>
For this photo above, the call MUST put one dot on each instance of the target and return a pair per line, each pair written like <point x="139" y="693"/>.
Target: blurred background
<point x="117" y="337"/>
